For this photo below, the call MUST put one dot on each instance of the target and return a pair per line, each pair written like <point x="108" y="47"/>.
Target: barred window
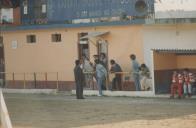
<point x="56" y="37"/>
<point x="31" y="39"/>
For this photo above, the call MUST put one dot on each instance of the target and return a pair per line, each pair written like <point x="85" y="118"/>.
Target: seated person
<point x="145" y="78"/>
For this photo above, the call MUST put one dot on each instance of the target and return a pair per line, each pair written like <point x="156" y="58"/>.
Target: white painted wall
<point x="175" y="9"/>
<point x="167" y="37"/>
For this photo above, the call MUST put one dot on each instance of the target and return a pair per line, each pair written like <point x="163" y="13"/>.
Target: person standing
<point x="135" y="72"/>
<point x="88" y="71"/>
<point x="103" y="60"/>
<point x="177" y="81"/>
<point x="187" y="87"/>
<point x="180" y="85"/>
<point x="174" y="84"/>
<point x="79" y="79"/>
<point x="117" y="80"/>
<point x="101" y="74"/>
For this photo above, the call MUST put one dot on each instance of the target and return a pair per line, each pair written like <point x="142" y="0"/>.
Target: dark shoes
<point x="81" y="98"/>
<point x="171" y="97"/>
<point x="189" y="95"/>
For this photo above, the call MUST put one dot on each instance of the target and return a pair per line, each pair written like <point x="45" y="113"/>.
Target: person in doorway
<point x="96" y="57"/>
<point x="103" y="60"/>
<point x="145" y="76"/>
<point x="101" y="74"/>
<point x="135" y="72"/>
<point x="88" y="71"/>
<point x="117" y="80"/>
<point x="79" y="79"/>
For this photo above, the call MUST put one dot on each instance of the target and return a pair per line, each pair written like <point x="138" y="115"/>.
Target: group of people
<point x="141" y="75"/>
<point x="85" y="71"/>
<point x="182" y="83"/>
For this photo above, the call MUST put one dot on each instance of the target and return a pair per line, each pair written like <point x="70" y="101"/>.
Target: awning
<point x="177" y="51"/>
<point x="83" y="42"/>
<point x="94" y="34"/>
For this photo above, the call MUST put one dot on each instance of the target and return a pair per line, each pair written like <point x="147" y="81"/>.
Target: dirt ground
<point x="64" y="111"/>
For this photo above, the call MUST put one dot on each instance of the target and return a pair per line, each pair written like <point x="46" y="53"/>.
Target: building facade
<point x="41" y="51"/>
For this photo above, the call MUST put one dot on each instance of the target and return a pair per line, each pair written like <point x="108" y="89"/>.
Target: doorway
<point x="169" y="60"/>
<point x="2" y="63"/>
<point x="102" y="47"/>
<point x="83" y="46"/>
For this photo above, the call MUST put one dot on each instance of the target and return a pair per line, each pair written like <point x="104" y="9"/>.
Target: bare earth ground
<point x="64" y="111"/>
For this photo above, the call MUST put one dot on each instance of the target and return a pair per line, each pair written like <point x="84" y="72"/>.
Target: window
<point x="43" y="8"/>
<point x="56" y="37"/>
<point x="31" y="39"/>
<point x="25" y="7"/>
<point x="25" y="10"/>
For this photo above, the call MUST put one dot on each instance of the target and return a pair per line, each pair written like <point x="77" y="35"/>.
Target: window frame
<point x="56" y="38"/>
<point x="31" y="39"/>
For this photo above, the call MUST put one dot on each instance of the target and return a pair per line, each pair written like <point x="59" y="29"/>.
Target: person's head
<point x="143" y="65"/>
<point x="84" y="57"/>
<point x="185" y="71"/>
<point x="132" y="57"/>
<point x="191" y="75"/>
<point x="77" y="62"/>
<point x="95" y="56"/>
<point x="97" y="61"/>
<point x="175" y="72"/>
<point x="102" y="55"/>
<point x="112" y="62"/>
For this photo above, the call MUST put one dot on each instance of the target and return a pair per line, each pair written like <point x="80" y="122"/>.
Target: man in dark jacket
<point x="79" y="79"/>
<point x="117" y="80"/>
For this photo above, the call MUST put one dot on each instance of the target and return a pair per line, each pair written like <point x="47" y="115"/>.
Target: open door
<point x="83" y="46"/>
<point x="2" y="63"/>
<point x="102" y="47"/>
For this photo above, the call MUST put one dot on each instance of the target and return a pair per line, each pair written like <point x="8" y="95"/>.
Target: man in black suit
<point x="79" y="79"/>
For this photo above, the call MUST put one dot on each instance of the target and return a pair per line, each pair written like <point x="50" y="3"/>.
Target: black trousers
<point x="79" y="91"/>
<point x="117" y="82"/>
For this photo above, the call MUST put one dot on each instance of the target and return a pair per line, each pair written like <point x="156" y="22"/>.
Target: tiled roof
<point x="176" y="51"/>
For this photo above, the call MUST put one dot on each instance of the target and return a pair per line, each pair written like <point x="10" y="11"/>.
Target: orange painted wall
<point x="124" y="41"/>
<point x="46" y="56"/>
<point x="186" y="61"/>
<point x="164" y="61"/>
